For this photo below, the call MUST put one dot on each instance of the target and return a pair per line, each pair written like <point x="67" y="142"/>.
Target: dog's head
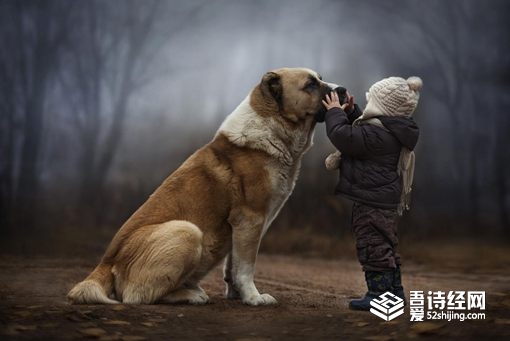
<point x="296" y="93"/>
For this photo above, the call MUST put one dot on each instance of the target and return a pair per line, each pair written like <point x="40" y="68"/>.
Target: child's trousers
<point x="375" y="230"/>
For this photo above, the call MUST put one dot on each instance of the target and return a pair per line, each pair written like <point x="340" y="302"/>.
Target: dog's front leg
<point x="246" y="234"/>
<point x="231" y="292"/>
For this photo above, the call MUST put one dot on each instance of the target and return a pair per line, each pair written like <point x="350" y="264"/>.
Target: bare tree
<point x="111" y="60"/>
<point x="33" y="33"/>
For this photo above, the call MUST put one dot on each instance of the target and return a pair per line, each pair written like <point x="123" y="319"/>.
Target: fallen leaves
<point x="156" y="319"/>
<point x="133" y="338"/>
<point x="502" y="321"/>
<point x="117" y="323"/>
<point x="25" y="327"/>
<point x="82" y="316"/>
<point x="93" y="332"/>
<point x="506" y="303"/>
<point x="15" y="329"/>
<point x="378" y="338"/>
<point x="23" y="313"/>
<point x="423" y="328"/>
<point x="35" y="307"/>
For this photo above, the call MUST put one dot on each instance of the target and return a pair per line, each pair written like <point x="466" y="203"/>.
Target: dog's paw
<point x="199" y="299"/>
<point x="264" y="299"/>
<point x="195" y="296"/>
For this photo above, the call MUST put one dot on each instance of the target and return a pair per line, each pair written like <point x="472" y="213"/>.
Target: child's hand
<point x="332" y="162"/>
<point x="348" y="106"/>
<point x="332" y="101"/>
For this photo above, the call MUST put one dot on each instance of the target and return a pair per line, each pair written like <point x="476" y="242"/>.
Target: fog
<point x="101" y="100"/>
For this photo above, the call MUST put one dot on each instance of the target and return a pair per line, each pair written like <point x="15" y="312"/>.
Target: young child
<point x="376" y="168"/>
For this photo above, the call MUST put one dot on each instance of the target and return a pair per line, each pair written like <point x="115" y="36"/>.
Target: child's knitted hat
<point x="393" y="96"/>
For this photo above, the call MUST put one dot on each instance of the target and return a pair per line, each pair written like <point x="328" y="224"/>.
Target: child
<point x="376" y="167"/>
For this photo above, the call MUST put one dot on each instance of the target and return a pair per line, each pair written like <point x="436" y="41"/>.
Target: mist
<point x="101" y="100"/>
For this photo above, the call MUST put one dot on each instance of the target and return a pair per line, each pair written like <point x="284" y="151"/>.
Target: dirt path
<point x="312" y="294"/>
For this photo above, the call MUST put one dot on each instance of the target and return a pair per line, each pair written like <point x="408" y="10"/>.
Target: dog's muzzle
<point x="342" y="96"/>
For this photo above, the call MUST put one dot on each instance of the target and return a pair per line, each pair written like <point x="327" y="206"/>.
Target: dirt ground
<point x="313" y="295"/>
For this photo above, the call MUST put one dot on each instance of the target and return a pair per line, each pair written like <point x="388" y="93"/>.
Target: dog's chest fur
<point x="283" y="180"/>
<point x="245" y="128"/>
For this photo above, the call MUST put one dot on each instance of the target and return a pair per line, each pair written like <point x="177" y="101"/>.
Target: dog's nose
<point x="341" y="91"/>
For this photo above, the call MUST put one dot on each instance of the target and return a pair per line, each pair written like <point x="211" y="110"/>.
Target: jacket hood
<point x="404" y="129"/>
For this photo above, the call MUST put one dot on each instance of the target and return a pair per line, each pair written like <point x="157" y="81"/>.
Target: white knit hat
<point x="393" y="96"/>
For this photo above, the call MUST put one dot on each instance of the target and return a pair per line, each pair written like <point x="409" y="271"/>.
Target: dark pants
<point x="375" y="230"/>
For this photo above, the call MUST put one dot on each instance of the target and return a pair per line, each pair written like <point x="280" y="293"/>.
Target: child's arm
<point x="354" y="113"/>
<point x="346" y="138"/>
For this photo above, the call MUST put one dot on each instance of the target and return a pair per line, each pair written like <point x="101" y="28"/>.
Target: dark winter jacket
<point x="370" y="154"/>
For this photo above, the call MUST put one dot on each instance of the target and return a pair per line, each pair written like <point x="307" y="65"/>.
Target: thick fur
<point x="216" y="206"/>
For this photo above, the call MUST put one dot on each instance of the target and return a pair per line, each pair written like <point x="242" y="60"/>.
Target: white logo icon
<point x="387" y="306"/>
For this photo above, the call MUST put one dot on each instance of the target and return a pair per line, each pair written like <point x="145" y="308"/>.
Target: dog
<point x="217" y="205"/>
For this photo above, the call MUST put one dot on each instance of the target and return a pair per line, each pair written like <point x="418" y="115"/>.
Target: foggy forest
<point x="102" y="100"/>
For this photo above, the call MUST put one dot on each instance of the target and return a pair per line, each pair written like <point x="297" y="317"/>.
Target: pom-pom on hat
<point x="394" y="96"/>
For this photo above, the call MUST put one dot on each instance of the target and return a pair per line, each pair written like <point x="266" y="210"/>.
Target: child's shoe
<point x="378" y="283"/>
<point x="398" y="289"/>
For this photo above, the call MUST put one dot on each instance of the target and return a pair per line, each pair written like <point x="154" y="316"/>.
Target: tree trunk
<point x="28" y="184"/>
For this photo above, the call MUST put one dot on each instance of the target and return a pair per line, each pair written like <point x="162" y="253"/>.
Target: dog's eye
<point x="311" y="85"/>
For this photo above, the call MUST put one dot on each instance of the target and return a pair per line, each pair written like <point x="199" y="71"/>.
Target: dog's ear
<point x="272" y="86"/>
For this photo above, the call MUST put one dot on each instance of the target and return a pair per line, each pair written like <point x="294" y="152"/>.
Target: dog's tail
<point x="95" y="288"/>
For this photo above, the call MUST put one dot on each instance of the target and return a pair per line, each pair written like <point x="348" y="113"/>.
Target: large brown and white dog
<point x="217" y="205"/>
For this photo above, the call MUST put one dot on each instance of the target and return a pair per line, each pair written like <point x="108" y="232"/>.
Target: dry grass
<point x="307" y="242"/>
<point x="448" y="253"/>
<point x="467" y="255"/>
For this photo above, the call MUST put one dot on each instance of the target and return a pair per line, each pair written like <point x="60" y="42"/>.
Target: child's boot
<point x="398" y="289"/>
<point x="378" y="283"/>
